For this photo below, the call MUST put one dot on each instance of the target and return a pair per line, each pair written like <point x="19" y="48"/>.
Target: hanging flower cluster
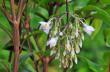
<point x="65" y="40"/>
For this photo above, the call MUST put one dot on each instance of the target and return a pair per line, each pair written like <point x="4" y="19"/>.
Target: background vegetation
<point x="95" y="53"/>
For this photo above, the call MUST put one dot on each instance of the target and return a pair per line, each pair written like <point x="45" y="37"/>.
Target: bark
<point x="16" y="43"/>
<point x="45" y="64"/>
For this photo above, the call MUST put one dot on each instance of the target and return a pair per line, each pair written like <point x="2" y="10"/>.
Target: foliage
<point x="95" y="52"/>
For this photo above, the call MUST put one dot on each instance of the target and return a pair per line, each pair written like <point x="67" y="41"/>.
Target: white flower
<point x="77" y="49"/>
<point x="76" y="33"/>
<point x="88" y="29"/>
<point x="75" y="59"/>
<point x="52" y="42"/>
<point x="61" y="33"/>
<point x="72" y="52"/>
<point x="64" y="53"/>
<point x="80" y="44"/>
<point x="68" y="46"/>
<point x="45" y="26"/>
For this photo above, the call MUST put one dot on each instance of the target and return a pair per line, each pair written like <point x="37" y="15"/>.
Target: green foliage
<point x="95" y="54"/>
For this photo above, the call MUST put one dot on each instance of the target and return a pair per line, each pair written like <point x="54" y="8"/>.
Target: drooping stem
<point x="67" y="11"/>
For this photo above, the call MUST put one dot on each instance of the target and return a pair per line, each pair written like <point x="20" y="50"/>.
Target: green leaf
<point x="42" y="12"/>
<point x="106" y="57"/>
<point x="91" y="65"/>
<point x="62" y="9"/>
<point x="5" y="29"/>
<point x="24" y="67"/>
<point x="81" y="3"/>
<point x="34" y="21"/>
<point x="107" y="36"/>
<point x="97" y="24"/>
<point x="105" y="1"/>
<point x="23" y="58"/>
<point x="98" y="13"/>
<point x="41" y="40"/>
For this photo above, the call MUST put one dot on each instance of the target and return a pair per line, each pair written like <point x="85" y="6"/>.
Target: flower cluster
<point x="65" y="41"/>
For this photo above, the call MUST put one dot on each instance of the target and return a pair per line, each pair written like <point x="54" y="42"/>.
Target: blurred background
<point x="95" y="53"/>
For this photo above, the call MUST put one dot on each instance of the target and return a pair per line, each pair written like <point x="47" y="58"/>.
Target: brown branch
<point x="16" y="42"/>
<point x="22" y="6"/>
<point x="16" y="30"/>
<point x="45" y="61"/>
<point x="3" y="9"/>
<point x="3" y="4"/>
<point x="8" y="16"/>
<point x="13" y="9"/>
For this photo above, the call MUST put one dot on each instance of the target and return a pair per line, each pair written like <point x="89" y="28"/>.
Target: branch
<point x="21" y="8"/>
<point x="3" y="9"/>
<point x="20" y="4"/>
<point x="13" y="9"/>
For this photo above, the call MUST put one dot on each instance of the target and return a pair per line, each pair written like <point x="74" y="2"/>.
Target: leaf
<point x="91" y="65"/>
<point x="106" y="57"/>
<point x="105" y="1"/>
<point x="34" y="21"/>
<point x="23" y="58"/>
<point x="81" y="3"/>
<point x="62" y="9"/>
<point x="24" y="67"/>
<point x="97" y="24"/>
<point x="4" y="66"/>
<point x="107" y="36"/>
<point x="42" y="12"/>
<point x="5" y="29"/>
<point x="41" y="40"/>
<point x="99" y="13"/>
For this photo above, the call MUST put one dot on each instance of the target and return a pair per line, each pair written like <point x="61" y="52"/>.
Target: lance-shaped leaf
<point x="97" y="24"/>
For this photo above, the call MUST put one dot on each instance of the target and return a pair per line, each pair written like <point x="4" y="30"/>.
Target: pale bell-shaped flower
<point x="68" y="46"/>
<point x="88" y="29"/>
<point x="77" y="49"/>
<point x="61" y="33"/>
<point x="72" y="52"/>
<point x="45" y="26"/>
<point x="82" y="36"/>
<point x="75" y="59"/>
<point x="76" y="33"/>
<point x="71" y="63"/>
<point x="80" y="43"/>
<point x="52" y="42"/>
<point x="64" y="53"/>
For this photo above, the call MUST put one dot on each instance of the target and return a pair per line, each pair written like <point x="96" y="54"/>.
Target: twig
<point x="20" y="5"/>
<point x="21" y="9"/>
<point x="13" y="9"/>
<point x="8" y="16"/>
